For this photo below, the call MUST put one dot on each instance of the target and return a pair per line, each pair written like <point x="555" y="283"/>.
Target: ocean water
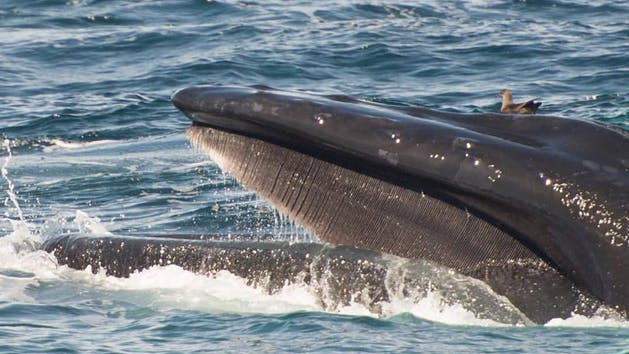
<point x="91" y="144"/>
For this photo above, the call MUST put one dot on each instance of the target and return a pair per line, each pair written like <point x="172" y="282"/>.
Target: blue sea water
<point x="92" y="144"/>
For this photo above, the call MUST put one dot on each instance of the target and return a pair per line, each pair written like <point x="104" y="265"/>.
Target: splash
<point x="433" y="308"/>
<point x="19" y="249"/>
<point x="90" y="225"/>
<point x="319" y="289"/>
<point x="172" y="287"/>
<point x="11" y="188"/>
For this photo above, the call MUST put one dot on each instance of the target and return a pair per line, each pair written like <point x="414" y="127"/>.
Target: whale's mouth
<point x="331" y="201"/>
<point x="344" y="207"/>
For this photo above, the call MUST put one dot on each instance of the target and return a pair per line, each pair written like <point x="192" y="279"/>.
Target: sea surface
<point x="91" y="144"/>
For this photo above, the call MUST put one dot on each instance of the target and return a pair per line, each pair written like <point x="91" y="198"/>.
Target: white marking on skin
<point x="391" y="157"/>
<point x="257" y="107"/>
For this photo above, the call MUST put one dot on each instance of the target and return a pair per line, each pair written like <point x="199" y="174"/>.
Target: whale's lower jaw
<point x="335" y="277"/>
<point x="345" y="207"/>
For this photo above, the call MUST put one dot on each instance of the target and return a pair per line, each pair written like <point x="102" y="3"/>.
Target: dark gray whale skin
<point x="558" y="186"/>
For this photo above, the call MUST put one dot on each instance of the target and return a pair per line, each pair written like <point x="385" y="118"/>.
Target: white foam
<point x="433" y="308"/>
<point x="355" y="309"/>
<point x="20" y="250"/>
<point x="171" y="286"/>
<point x="191" y="166"/>
<point x="57" y="144"/>
<point x="88" y="224"/>
<point x="583" y="321"/>
<point x="13" y="289"/>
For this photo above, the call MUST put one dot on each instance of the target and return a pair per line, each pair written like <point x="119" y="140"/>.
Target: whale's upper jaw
<point x="206" y="104"/>
<point x="207" y="98"/>
<point x="217" y="107"/>
<point x="521" y="174"/>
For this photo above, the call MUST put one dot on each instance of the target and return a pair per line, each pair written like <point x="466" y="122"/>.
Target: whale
<point x="533" y="207"/>
<point x="537" y="207"/>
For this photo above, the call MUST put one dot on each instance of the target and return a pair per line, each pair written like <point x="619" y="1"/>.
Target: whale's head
<point x="542" y="200"/>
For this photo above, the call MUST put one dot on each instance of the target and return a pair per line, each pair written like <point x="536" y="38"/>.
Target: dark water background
<point x="95" y="146"/>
